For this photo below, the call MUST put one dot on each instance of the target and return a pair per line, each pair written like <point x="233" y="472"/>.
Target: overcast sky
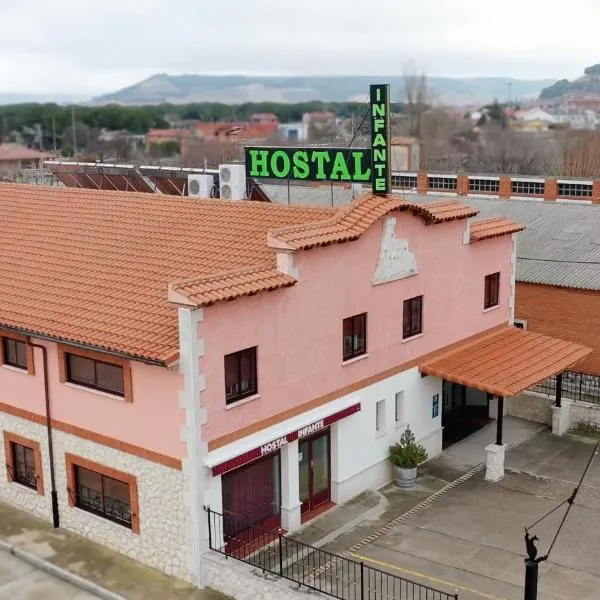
<point x="96" y="46"/>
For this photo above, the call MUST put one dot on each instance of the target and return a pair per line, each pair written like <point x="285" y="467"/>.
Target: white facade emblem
<point x="395" y="260"/>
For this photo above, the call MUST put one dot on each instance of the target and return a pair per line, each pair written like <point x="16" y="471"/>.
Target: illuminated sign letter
<point x="320" y="156"/>
<point x="301" y="168"/>
<point x="258" y="162"/>
<point x="340" y="168"/>
<point x="280" y="164"/>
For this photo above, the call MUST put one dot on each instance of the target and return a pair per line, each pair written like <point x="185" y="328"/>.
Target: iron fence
<point x="311" y="567"/>
<point x="575" y="386"/>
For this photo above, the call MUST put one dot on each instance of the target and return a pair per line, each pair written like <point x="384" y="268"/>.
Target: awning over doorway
<point x="506" y="362"/>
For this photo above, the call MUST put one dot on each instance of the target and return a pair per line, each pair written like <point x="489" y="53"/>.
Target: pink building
<point x="194" y="352"/>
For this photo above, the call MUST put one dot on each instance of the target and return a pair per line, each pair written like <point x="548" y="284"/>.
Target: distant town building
<point x="264" y="119"/>
<point x="15" y="157"/>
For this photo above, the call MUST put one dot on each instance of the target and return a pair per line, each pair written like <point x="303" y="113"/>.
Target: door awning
<point x="506" y="362"/>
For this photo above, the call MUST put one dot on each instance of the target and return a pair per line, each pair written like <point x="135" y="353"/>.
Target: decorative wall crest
<point x="395" y="261"/>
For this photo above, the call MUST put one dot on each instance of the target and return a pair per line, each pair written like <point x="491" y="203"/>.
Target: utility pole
<point x="54" y="132"/>
<point x="73" y="130"/>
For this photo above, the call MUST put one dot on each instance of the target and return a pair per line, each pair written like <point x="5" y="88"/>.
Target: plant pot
<point x="405" y="478"/>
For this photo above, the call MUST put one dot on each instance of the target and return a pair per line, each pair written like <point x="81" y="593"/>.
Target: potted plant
<point x="405" y="457"/>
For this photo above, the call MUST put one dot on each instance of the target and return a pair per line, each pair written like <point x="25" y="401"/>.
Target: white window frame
<point x="399" y="414"/>
<point x="380" y="417"/>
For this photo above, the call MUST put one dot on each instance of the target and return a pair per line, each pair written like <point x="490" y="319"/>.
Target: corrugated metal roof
<point x="561" y="242"/>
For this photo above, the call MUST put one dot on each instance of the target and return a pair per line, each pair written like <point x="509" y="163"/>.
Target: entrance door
<point x="315" y="477"/>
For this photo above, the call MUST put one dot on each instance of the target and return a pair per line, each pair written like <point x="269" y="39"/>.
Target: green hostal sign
<point x="352" y="165"/>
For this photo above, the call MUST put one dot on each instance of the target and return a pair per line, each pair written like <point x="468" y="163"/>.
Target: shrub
<point x="407" y="454"/>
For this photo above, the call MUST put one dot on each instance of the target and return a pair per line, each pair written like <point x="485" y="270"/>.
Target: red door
<point x="251" y="496"/>
<point x="315" y="476"/>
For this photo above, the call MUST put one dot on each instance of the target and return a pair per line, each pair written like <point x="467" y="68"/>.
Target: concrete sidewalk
<point x="106" y="568"/>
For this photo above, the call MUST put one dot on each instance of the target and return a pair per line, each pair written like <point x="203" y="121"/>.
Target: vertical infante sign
<point x="359" y="165"/>
<point x="380" y="139"/>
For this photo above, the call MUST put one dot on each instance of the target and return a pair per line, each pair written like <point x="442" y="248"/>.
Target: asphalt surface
<point x="20" y="581"/>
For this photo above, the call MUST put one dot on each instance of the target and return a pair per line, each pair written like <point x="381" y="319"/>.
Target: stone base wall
<point x="531" y="407"/>
<point x="244" y="582"/>
<point x="584" y="413"/>
<point x="161" y="540"/>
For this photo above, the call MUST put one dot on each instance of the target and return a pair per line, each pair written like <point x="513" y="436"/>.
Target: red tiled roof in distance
<point x="18" y="152"/>
<point x="93" y="267"/>
<point x="507" y="362"/>
<point x="483" y="229"/>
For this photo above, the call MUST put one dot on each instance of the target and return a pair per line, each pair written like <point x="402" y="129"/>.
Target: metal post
<point x="209" y="512"/>
<point x="531" y="580"/>
<point x="559" y="390"/>
<point x="362" y="580"/>
<point x="499" y="421"/>
<point x="280" y="556"/>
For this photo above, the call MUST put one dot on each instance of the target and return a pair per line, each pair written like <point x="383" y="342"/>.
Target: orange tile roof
<point x="507" y="362"/>
<point x="349" y="223"/>
<point x="93" y="266"/>
<point x="99" y="267"/>
<point x="482" y="229"/>
<point x="204" y="291"/>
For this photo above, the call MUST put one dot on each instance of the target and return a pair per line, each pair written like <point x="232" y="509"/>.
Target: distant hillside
<point x="236" y="89"/>
<point x="41" y="98"/>
<point x="588" y="85"/>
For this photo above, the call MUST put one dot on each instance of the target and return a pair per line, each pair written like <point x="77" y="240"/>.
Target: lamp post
<point x="532" y="561"/>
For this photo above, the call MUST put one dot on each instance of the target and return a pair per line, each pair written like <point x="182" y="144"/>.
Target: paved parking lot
<point x="21" y="581"/>
<point x="471" y="540"/>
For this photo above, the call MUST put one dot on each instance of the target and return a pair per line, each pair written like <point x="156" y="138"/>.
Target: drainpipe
<point x="53" y="493"/>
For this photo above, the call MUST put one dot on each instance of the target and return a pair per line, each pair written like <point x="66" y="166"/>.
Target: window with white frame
<point x="521" y="323"/>
<point x="380" y="416"/>
<point x="399" y="408"/>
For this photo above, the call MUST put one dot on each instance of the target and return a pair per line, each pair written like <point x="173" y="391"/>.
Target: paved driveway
<point x="471" y="539"/>
<point x="21" y="581"/>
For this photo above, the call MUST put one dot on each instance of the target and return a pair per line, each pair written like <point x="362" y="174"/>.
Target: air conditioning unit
<point x="232" y="182"/>
<point x="200" y="185"/>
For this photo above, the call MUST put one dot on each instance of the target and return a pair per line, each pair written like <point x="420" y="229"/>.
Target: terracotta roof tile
<point x="507" y="362"/>
<point x="349" y="223"/>
<point x="93" y="267"/>
<point x="229" y="285"/>
<point x="482" y="229"/>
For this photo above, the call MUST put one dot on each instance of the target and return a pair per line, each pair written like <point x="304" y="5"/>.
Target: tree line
<point x="140" y="119"/>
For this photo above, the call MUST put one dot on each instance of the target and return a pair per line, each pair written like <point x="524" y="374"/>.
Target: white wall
<point x="362" y="451"/>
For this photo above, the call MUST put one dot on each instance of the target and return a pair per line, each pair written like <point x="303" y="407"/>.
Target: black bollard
<point x="531" y="579"/>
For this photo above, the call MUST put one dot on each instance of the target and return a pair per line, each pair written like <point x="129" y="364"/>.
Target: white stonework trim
<point x="256" y="440"/>
<point x="467" y="232"/>
<point x="513" y="277"/>
<point x="161" y="542"/>
<point x="191" y="348"/>
<point x="285" y="263"/>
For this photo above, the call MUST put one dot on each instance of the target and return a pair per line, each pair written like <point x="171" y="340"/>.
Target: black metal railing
<point x="311" y="567"/>
<point x="575" y="386"/>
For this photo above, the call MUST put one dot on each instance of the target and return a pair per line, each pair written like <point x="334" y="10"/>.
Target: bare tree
<point x="417" y="98"/>
<point x="575" y="154"/>
<point x="508" y="152"/>
<point x="197" y="152"/>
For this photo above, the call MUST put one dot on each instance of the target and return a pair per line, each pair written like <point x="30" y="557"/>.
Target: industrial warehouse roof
<point x="560" y="244"/>
<point x="98" y="267"/>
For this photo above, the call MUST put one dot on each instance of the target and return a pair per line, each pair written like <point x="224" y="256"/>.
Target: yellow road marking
<point x="426" y="577"/>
